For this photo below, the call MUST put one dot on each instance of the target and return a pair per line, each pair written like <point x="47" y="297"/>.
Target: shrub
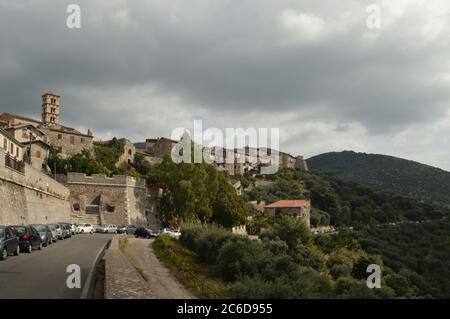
<point x="240" y="257"/>
<point x="205" y="240"/>
<point x="290" y="230"/>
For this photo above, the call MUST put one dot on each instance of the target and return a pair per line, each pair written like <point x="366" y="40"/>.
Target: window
<point x="82" y="140"/>
<point x="110" y="209"/>
<point x="129" y="151"/>
<point x="76" y="207"/>
<point x="59" y="136"/>
<point x="17" y="151"/>
<point x="72" y="140"/>
<point x="5" y="144"/>
<point x="38" y="154"/>
<point x="11" y="149"/>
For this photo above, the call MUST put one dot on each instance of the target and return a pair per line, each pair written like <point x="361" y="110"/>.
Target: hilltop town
<point x="48" y="195"/>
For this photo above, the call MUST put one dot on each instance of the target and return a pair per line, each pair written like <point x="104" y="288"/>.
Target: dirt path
<point x="162" y="284"/>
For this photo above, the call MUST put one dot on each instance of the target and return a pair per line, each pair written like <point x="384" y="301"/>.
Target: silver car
<point x="56" y="231"/>
<point x="44" y="233"/>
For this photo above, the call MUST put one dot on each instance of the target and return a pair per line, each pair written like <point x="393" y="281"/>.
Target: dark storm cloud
<point x="216" y="56"/>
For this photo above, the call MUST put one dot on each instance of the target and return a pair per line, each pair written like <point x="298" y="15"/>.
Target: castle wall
<point x="120" y="200"/>
<point x="31" y="197"/>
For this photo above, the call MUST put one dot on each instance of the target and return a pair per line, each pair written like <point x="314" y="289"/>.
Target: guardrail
<point x="14" y="164"/>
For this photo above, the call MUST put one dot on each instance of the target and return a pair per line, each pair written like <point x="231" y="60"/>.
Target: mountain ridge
<point x="406" y="177"/>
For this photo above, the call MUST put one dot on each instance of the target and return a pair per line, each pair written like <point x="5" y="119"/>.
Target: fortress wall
<point x="31" y="197"/>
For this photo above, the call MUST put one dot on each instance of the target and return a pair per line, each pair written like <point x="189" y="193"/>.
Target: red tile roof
<point x="288" y="203"/>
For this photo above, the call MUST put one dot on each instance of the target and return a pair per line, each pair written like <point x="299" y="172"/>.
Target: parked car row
<point x="148" y="233"/>
<point x="18" y="239"/>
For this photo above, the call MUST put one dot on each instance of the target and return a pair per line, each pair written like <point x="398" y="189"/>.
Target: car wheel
<point x="30" y="248"/>
<point x="17" y="252"/>
<point x="4" y="254"/>
<point x="40" y="246"/>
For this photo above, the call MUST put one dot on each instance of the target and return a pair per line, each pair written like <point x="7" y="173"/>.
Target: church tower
<point x="50" y="109"/>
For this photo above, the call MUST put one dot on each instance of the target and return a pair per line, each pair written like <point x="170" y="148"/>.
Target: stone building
<point x="159" y="147"/>
<point x="127" y="157"/>
<point x="299" y="208"/>
<point x="119" y="200"/>
<point x="11" y="146"/>
<point x="301" y="164"/>
<point x="67" y="140"/>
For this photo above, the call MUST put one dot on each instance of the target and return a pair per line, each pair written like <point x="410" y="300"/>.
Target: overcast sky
<point x="314" y="69"/>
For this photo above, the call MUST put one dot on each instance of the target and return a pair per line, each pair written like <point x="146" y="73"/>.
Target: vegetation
<point x="286" y="263"/>
<point x="108" y="153"/>
<point x="419" y="254"/>
<point x="186" y="268"/>
<point x="410" y="237"/>
<point x="346" y="203"/>
<point x="79" y="163"/>
<point x="401" y="176"/>
<point x="197" y="192"/>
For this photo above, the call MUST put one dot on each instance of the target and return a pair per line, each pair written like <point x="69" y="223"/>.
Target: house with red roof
<point x="296" y="208"/>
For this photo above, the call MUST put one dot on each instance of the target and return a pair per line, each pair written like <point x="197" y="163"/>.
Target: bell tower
<point x="50" y="109"/>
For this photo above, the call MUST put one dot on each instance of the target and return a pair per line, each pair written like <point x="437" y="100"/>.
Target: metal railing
<point x="14" y="164"/>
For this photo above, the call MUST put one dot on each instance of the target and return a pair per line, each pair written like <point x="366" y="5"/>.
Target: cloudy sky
<point x="311" y="68"/>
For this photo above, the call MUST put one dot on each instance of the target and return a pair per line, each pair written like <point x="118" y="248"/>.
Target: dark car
<point x="145" y="233"/>
<point x="29" y="238"/>
<point x="130" y="229"/>
<point x="8" y="242"/>
<point x="66" y="230"/>
<point x="45" y="233"/>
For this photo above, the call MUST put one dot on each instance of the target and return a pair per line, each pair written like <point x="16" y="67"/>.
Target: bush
<point x="205" y="240"/>
<point x="290" y="230"/>
<point x="240" y="257"/>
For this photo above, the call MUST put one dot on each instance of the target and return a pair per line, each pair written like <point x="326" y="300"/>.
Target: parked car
<point x="107" y="229"/>
<point x="85" y="229"/>
<point x="66" y="231"/>
<point x="59" y="230"/>
<point x="9" y="244"/>
<point x="171" y="232"/>
<point x="29" y="238"/>
<point x="73" y="229"/>
<point x="45" y="234"/>
<point x="55" y="231"/>
<point x="145" y="233"/>
<point x="130" y="229"/>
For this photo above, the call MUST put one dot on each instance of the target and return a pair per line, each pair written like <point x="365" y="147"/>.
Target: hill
<point x="389" y="173"/>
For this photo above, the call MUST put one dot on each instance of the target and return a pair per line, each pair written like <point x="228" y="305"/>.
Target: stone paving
<point x="136" y="273"/>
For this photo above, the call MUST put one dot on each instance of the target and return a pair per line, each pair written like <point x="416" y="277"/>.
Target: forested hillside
<point x="398" y="175"/>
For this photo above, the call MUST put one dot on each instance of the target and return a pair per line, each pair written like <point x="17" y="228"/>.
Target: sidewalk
<point x="162" y="285"/>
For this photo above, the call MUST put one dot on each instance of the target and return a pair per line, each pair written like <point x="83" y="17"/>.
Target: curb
<point x="89" y="284"/>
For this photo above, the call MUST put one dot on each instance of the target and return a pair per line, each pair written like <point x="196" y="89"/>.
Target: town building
<point x="68" y="141"/>
<point x="297" y="208"/>
<point x="13" y="149"/>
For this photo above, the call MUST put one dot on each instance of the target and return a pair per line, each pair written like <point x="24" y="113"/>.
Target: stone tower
<point x="50" y="109"/>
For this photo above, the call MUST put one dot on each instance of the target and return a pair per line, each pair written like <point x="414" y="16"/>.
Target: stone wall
<point x="31" y="197"/>
<point x="119" y="200"/>
<point x="62" y="140"/>
<point x="127" y="156"/>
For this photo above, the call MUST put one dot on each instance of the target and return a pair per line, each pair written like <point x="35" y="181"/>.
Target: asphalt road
<point x="42" y="274"/>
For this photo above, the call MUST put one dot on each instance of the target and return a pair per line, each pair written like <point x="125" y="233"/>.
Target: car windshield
<point x="52" y="227"/>
<point x="40" y="228"/>
<point x="20" y="230"/>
